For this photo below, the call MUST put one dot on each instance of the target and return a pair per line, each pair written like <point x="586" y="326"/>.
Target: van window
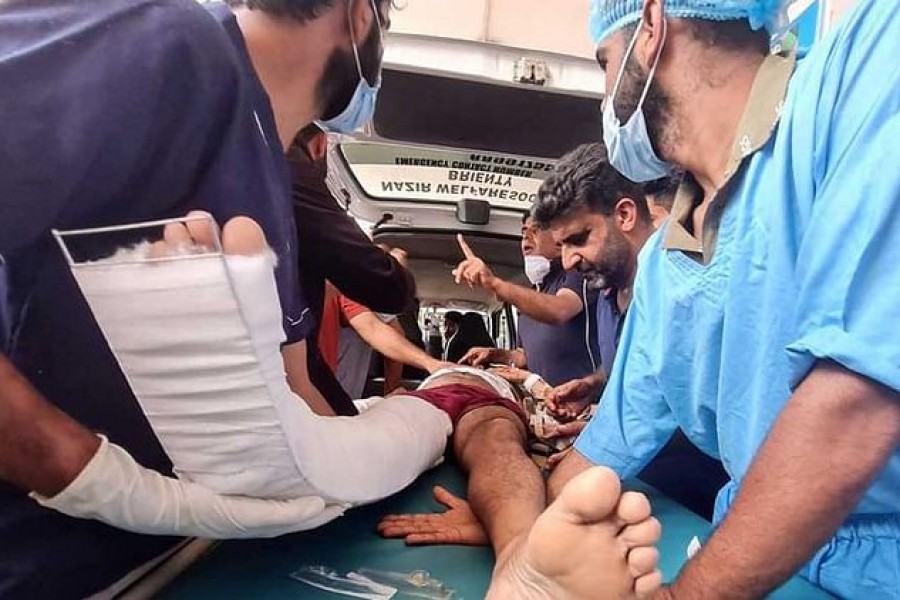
<point x="431" y="109"/>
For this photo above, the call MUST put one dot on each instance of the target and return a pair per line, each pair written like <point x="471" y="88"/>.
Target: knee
<point x="495" y="434"/>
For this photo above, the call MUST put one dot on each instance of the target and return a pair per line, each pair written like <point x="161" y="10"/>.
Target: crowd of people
<point x="712" y="288"/>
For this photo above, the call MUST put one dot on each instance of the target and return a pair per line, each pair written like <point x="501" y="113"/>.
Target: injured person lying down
<point x="197" y="330"/>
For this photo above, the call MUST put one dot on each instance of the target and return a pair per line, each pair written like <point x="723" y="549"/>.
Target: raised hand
<point x="472" y="270"/>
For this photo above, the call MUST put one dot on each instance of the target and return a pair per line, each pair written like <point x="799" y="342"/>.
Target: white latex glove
<point x="115" y="489"/>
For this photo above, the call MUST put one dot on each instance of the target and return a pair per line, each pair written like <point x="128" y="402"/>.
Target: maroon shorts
<point x="458" y="399"/>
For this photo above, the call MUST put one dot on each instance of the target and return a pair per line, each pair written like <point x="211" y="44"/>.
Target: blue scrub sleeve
<point x="849" y="258"/>
<point x="633" y="421"/>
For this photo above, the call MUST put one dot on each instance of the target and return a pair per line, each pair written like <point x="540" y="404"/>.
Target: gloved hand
<point x="116" y="490"/>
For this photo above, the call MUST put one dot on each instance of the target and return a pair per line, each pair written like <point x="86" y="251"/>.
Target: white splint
<point x="198" y="339"/>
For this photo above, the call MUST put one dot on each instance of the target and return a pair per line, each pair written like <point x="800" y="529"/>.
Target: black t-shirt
<point x="560" y="353"/>
<point x="336" y="249"/>
<point x="115" y="112"/>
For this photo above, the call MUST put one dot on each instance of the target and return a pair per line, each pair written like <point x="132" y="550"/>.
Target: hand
<point x="511" y="374"/>
<point x="401" y="256"/>
<point x="472" y="269"/>
<point x="479" y="356"/>
<point x="115" y="489"/>
<point x="457" y="525"/>
<point x="435" y="365"/>
<point x="571" y="398"/>
<point x="564" y="430"/>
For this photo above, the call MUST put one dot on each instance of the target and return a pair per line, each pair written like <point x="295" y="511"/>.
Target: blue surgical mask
<point x="361" y="107"/>
<point x="628" y="146"/>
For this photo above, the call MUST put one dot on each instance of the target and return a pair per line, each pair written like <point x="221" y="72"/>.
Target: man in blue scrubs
<point x="763" y="315"/>
<point x="120" y="112"/>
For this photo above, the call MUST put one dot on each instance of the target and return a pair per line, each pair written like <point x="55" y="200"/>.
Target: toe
<point x="643" y="560"/>
<point x="202" y="228"/>
<point x="633" y="508"/>
<point x="646" y="585"/>
<point x="590" y="497"/>
<point x="242" y="235"/>
<point x="176" y="236"/>
<point x="645" y="533"/>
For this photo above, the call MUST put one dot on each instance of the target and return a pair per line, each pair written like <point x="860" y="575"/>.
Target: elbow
<point x="555" y="318"/>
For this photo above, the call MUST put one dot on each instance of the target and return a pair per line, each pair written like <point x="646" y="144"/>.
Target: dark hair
<point x="453" y="316"/>
<point x="584" y="178"/>
<point x="734" y="35"/>
<point x="663" y="190"/>
<point x="298" y="10"/>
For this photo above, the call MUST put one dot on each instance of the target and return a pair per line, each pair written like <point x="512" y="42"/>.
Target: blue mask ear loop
<point x="353" y="35"/>
<point x="652" y="73"/>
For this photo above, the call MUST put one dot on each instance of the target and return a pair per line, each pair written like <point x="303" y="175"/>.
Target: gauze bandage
<point x="198" y="338"/>
<point x="500" y="385"/>
<point x="116" y="490"/>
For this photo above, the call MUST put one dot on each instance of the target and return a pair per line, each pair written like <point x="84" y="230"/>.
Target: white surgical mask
<point x="536" y="268"/>
<point x="628" y="146"/>
<point x="361" y="107"/>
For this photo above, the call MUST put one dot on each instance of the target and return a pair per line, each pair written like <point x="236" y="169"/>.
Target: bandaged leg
<point x="198" y="338"/>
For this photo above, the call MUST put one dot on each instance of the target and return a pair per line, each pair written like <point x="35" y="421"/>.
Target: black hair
<point x="453" y="316"/>
<point x="734" y="35"/>
<point x="583" y="178"/>
<point x="301" y="11"/>
<point x="663" y="190"/>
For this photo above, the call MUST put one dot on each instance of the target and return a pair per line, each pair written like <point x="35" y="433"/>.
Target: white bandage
<point x="199" y="340"/>
<point x="531" y="381"/>
<point x="114" y="489"/>
<point x="500" y="385"/>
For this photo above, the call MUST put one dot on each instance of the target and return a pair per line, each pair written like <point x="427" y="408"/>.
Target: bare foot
<point x="196" y="235"/>
<point x="593" y="542"/>
<point x="457" y="525"/>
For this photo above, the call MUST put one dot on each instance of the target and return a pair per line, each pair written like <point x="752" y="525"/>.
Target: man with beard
<point x="130" y="112"/>
<point x="601" y="223"/>
<point x="758" y="322"/>
<point x="557" y="319"/>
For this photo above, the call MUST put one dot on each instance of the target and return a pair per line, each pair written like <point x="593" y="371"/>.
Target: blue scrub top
<point x="804" y="268"/>
<point x="561" y="353"/>
<point x="115" y="112"/>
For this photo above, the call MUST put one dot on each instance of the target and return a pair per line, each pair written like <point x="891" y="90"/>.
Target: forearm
<point x="295" y="366"/>
<point x="41" y="448"/>
<point x="390" y="342"/>
<point x="546" y="308"/>
<point x="393" y="375"/>
<point x="832" y="438"/>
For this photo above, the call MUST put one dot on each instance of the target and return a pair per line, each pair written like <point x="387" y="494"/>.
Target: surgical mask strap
<point x="652" y="73"/>
<point x="353" y="34"/>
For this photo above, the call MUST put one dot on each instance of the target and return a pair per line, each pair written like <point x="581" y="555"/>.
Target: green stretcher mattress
<point x="262" y="569"/>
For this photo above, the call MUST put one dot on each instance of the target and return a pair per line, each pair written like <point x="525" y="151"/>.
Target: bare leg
<point x="506" y="490"/>
<point x="592" y="542"/>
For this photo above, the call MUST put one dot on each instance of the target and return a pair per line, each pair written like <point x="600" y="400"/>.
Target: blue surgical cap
<point x="608" y="16"/>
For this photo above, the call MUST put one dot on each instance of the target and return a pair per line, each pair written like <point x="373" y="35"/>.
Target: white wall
<point x="547" y="25"/>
